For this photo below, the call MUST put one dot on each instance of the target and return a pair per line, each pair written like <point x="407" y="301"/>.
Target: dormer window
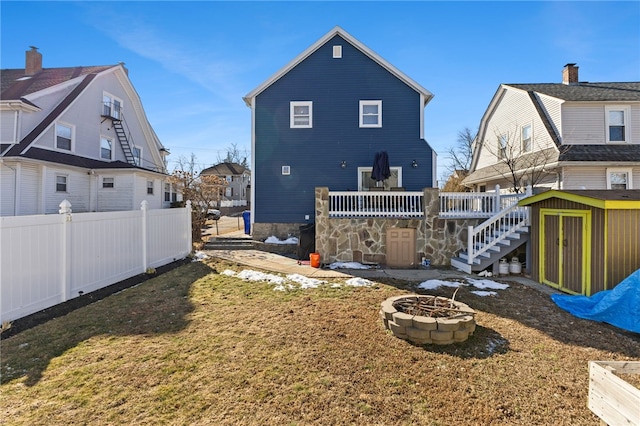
<point x="111" y="106"/>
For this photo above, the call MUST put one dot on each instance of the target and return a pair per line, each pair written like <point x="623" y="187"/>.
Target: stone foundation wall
<point x="262" y="231"/>
<point x="364" y="239"/>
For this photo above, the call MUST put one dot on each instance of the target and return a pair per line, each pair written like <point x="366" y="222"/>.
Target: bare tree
<point x="235" y="155"/>
<point x="204" y="191"/>
<point x="460" y="155"/>
<point x="521" y="161"/>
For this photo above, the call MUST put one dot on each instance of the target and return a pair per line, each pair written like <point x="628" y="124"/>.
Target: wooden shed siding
<point x="623" y="245"/>
<point x="335" y="86"/>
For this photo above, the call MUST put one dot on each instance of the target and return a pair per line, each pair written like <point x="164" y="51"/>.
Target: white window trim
<point x="111" y="141"/>
<point x="108" y="188"/>
<point x="55" y="136"/>
<point x="286" y="170"/>
<point x="628" y="171"/>
<point x="626" y="109"/>
<point x="66" y="183"/>
<point x="152" y="186"/>
<point x="292" y="106"/>
<point x="112" y="100"/>
<point x="337" y="51"/>
<point x="166" y="190"/>
<point x="361" y="115"/>
<point x="361" y="170"/>
<point x="530" y="126"/>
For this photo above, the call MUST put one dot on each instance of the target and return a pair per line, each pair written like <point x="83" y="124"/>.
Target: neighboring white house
<point x="238" y="179"/>
<point x="76" y="133"/>
<point x="569" y="135"/>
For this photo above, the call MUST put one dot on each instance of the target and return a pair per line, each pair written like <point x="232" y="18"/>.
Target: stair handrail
<point x="496" y="229"/>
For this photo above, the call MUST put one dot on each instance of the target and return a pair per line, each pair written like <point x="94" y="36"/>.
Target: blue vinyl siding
<point x="335" y="86"/>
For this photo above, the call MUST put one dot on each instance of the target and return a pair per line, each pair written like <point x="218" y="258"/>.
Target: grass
<point x="196" y="347"/>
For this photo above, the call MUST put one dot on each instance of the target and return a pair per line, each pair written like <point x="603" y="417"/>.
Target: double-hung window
<point x="106" y="148"/>
<point x="301" y="114"/>
<point x="370" y="113"/>
<point x="149" y="187"/>
<point x="618" y="178"/>
<point x="526" y="138"/>
<point x="61" y="183"/>
<point x="64" y="137"/>
<point x="502" y="147"/>
<point x="137" y="155"/>
<point x="108" y="182"/>
<point x="111" y="106"/>
<point x="167" y="192"/>
<point x="617" y="127"/>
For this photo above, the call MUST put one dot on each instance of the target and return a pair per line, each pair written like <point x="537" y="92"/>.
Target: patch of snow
<point x="228" y="272"/>
<point x="348" y="265"/>
<point x="199" y="255"/>
<point x="487" y="284"/>
<point x="282" y="287"/>
<point x="483" y="293"/>
<point x="358" y="282"/>
<point x="260" y="276"/>
<point x="433" y="284"/>
<point x="275" y="240"/>
<point x="305" y="282"/>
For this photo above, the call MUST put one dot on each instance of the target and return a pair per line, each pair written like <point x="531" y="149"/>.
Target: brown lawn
<point x="196" y="347"/>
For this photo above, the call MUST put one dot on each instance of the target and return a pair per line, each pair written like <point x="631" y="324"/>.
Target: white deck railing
<point x="375" y="204"/>
<point x="495" y="230"/>
<point x="463" y="205"/>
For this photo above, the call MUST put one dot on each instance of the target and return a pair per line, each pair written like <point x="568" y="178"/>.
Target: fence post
<point x="470" y="245"/>
<point x="189" y="233"/>
<point x="145" y="258"/>
<point x="498" y="206"/>
<point x="65" y="279"/>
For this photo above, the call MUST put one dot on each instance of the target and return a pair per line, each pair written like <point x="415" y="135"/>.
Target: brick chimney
<point x="570" y="74"/>
<point x="33" y="61"/>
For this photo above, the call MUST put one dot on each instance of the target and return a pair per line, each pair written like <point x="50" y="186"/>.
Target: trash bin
<point x="246" y="216"/>
<point x="307" y="241"/>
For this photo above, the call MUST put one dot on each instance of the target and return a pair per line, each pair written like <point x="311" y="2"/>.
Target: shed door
<point x="565" y="250"/>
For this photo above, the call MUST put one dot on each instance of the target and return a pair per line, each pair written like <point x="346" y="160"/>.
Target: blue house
<point x="320" y="121"/>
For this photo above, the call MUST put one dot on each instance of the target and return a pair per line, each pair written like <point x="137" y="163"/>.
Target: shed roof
<point x="624" y="199"/>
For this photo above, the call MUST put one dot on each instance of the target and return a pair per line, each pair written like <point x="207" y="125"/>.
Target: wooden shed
<point x="584" y="241"/>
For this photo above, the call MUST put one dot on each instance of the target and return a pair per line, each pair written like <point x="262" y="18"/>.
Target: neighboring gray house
<point x="76" y="133"/>
<point x="238" y="179"/>
<point x="569" y="135"/>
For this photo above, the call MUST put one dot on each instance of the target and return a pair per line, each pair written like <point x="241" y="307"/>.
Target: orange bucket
<point x="314" y="260"/>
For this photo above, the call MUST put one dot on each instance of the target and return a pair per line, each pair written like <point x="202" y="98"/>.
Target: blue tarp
<point x="619" y="306"/>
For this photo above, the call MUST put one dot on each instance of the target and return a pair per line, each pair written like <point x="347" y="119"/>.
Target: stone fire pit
<point x="428" y="319"/>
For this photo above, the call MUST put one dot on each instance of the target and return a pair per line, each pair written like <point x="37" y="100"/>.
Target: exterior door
<point x="565" y="249"/>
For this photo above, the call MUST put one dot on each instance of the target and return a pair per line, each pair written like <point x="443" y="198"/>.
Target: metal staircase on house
<point x="113" y="112"/>
<point x="124" y="141"/>
<point x="494" y="239"/>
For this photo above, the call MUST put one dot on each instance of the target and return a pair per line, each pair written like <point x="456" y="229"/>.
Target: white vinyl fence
<point x="48" y="259"/>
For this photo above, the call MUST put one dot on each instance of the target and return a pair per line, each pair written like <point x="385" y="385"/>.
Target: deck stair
<point x="494" y="239"/>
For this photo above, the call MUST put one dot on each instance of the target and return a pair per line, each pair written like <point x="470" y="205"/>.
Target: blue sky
<point x="191" y="62"/>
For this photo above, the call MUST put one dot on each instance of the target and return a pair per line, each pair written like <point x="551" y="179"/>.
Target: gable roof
<point x="586" y="92"/>
<point x="358" y="45"/>
<point x="225" y="169"/>
<point x="15" y="84"/>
